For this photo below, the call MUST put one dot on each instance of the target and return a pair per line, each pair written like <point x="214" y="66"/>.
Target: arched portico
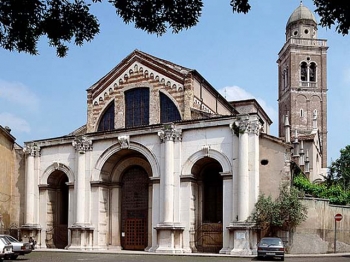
<point x="123" y="196"/>
<point x="207" y="178"/>
<point x="55" y="195"/>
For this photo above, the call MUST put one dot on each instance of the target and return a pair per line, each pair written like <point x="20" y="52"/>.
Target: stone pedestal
<point x="243" y="237"/>
<point x="81" y="238"/>
<point x="34" y="231"/>
<point x="170" y="238"/>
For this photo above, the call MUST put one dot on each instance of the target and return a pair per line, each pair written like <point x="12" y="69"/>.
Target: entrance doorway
<point x="57" y="213"/>
<point x="134" y="228"/>
<point x="210" y="191"/>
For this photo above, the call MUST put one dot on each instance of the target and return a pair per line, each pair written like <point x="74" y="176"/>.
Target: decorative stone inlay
<point x="246" y="125"/>
<point x="82" y="144"/>
<point x="32" y="149"/>
<point x="124" y="141"/>
<point x="147" y="73"/>
<point x="170" y="133"/>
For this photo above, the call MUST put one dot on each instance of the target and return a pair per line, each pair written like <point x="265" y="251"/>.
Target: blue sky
<point x="45" y="96"/>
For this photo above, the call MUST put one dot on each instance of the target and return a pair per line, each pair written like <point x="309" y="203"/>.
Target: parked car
<point x="5" y="248"/>
<point x="271" y="247"/>
<point x="19" y="248"/>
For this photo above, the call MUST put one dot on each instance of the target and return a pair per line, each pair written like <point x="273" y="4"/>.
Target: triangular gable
<point x="170" y="74"/>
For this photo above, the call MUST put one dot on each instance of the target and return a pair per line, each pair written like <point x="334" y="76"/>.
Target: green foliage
<point x="339" y="171"/>
<point x="335" y="193"/>
<point x="23" y="22"/>
<point x="286" y="212"/>
<point x="334" y="12"/>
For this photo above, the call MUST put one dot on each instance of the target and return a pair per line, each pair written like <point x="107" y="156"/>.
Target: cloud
<point x="18" y="94"/>
<point x="15" y="123"/>
<point x="235" y="93"/>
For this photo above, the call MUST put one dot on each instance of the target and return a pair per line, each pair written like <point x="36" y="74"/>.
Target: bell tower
<point x="302" y="79"/>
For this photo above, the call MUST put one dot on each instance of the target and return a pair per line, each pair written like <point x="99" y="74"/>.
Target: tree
<point x="285" y="213"/>
<point x="339" y="170"/>
<point x="23" y="22"/>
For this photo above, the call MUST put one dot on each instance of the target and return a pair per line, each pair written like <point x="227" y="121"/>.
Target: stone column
<point x="242" y="232"/>
<point x="31" y="152"/>
<point x="81" y="231"/>
<point x="169" y="232"/>
<point x="168" y="136"/>
<point x="243" y="174"/>
<point x="81" y="145"/>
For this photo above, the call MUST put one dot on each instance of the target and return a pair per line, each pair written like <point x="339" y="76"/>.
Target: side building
<point x="12" y="183"/>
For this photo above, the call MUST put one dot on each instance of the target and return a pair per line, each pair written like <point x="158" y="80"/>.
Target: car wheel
<point x="13" y="257"/>
<point x="282" y="258"/>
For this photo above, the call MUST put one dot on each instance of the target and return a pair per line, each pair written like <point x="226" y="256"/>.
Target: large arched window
<point x="107" y="120"/>
<point x="137" y="107"/>
<point x="168" y="110"/>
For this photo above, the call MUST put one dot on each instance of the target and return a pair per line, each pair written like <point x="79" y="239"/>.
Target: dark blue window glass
<point x="168" y="110"/>
<point x="137" y="107"/>
<point x="107" y="120"/>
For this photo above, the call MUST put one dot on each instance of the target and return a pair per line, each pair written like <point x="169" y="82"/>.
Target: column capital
<point x="170" y="133"/>
<point x="246" y="124"/>
<point x="82" y="144"/>
<point x="32" y="149"/>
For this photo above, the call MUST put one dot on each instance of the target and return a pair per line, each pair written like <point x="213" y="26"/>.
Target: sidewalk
<point x="130" y="252"/>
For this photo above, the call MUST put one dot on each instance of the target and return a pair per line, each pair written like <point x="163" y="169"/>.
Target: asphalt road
<point x="53" y="256"/>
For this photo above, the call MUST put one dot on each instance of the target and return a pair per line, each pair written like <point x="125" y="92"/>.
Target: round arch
<point x="222" y="159"/>
<point x="54" y="167"/>
<point x="130" y="161"/>
<point x="132" y="146"/>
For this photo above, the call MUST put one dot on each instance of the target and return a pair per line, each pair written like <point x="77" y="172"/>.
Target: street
<point x="53" y="256"/>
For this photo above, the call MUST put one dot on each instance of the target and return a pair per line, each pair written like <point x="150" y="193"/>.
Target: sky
<point x="44" y="96"/>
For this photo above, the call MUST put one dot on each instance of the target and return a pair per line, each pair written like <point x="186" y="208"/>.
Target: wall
<point x="11" y="182"/>
<point x="316" y="234"/>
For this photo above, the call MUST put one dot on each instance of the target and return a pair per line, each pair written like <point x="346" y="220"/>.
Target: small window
<point x="264" y="162"/>
<point x="301" y="112"/>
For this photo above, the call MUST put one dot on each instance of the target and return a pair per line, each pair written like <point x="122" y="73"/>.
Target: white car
<point x="5" y="248"/>
<point x="19" y="248"/>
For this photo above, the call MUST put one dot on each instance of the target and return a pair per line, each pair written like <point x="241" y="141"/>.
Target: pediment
<point x="168" y="74"/>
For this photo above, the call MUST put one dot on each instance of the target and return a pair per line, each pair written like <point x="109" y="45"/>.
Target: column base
<point x="81" y="237"/>
<point x="243" y="235"/>
<point x="169" y="238"/>
<point x="34" y="231"/>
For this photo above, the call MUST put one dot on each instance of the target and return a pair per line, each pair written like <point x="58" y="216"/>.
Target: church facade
<point x="164" y="164"/>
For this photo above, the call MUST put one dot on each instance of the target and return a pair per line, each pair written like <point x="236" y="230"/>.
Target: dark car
<point x="271" y="247"/>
